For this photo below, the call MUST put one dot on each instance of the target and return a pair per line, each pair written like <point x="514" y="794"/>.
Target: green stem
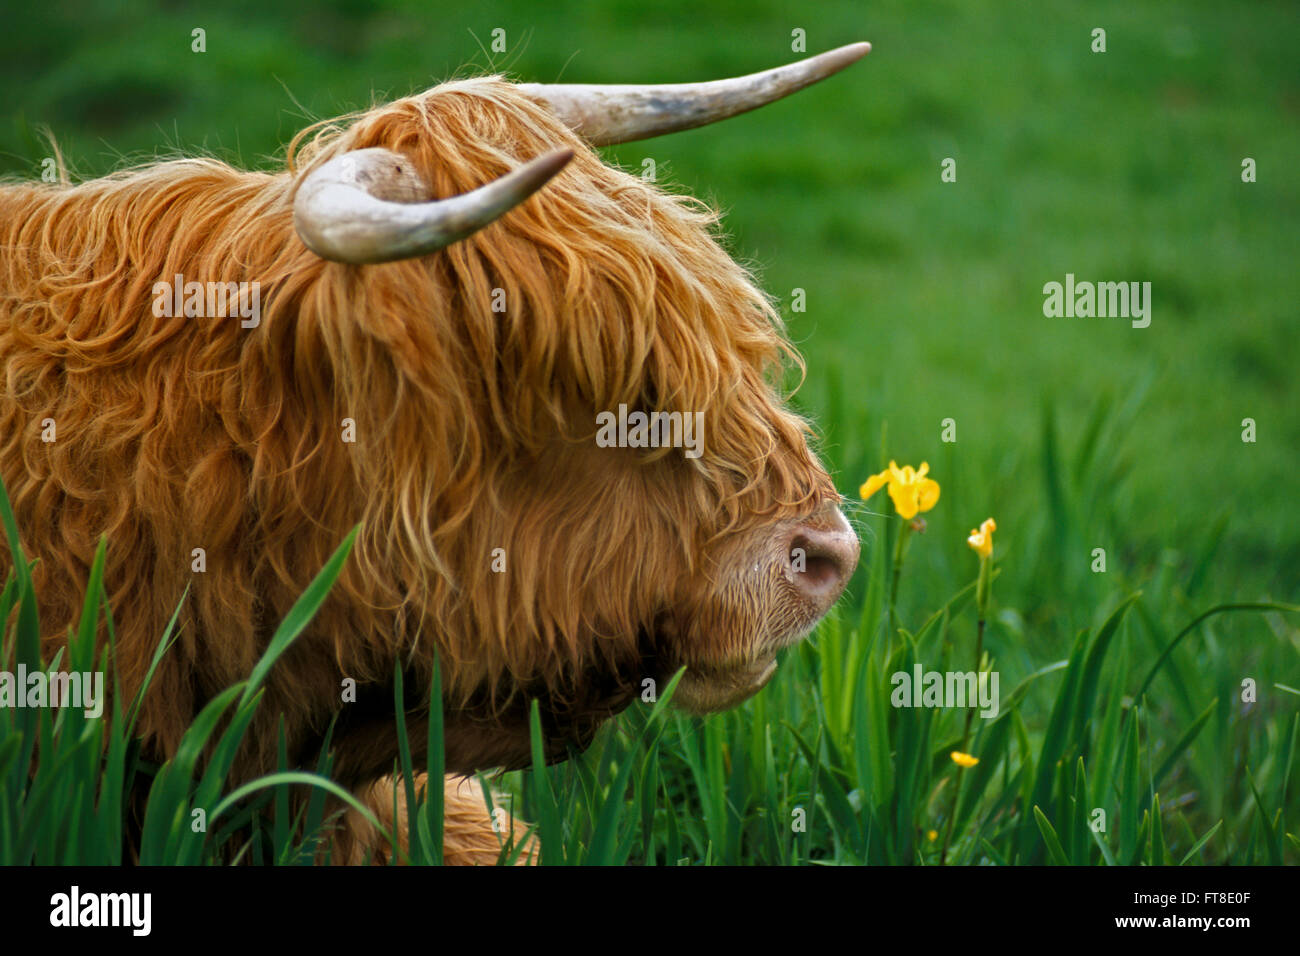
<point x="982" y="599"/>
<point x="952" y="816"/>
<point x="900" y="544"/>
<point x="979" y="653"/>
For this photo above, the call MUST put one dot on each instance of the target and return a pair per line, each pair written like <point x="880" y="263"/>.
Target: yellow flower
<point x="933" y="835"/>
<point x="964" y="760"/>
<point x="981" y="541"/>
<point x="910" y="490"/>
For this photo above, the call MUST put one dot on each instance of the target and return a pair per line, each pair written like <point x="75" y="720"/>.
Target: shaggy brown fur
<point x="470" y="836"/>
<point x="474" y="431"/>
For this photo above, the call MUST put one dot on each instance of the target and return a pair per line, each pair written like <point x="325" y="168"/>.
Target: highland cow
<point x="434" y="370"/>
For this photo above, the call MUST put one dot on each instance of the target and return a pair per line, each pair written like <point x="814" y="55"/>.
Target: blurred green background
<point x="924" y="298"/>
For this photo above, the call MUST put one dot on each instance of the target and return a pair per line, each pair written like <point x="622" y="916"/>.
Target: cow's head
<point x="486" y="329"/>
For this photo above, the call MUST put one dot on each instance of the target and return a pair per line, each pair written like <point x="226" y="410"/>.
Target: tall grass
<point x="66" y="780"/>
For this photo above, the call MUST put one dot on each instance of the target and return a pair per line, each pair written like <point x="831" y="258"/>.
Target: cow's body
<point x="473" y="432"/>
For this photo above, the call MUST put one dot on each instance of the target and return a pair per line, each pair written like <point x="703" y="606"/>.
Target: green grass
<point x="924" y="303"/>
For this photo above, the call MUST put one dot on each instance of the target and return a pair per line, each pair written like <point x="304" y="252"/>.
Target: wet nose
<point x="821" y="554"/>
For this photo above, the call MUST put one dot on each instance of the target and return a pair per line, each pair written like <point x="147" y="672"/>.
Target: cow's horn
<point x="370" y="205"/>
<point x="605" y="115"/>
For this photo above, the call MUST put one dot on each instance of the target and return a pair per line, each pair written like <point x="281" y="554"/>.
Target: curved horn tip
<point x="850" y="53"/>
<point x="551" y="163"/>
<point x="536" y="173"/>
<point x="832" y="61"/>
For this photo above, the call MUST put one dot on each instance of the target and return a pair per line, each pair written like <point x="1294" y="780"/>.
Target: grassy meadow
<point x="1163" y="691"/>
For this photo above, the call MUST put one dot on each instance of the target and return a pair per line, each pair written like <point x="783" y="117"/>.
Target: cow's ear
<point x="370" y="205"/>
<point x="605" y="115"/>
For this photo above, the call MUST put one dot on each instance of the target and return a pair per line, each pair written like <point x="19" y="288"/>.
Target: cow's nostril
<point x="821" y="557"/>
<point x="822" y="571"/>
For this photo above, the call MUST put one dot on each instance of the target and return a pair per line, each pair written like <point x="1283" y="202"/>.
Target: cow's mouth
<point x="709" y="688"/>
<point x="777" y="600"/>
<point x="706" y="690"/>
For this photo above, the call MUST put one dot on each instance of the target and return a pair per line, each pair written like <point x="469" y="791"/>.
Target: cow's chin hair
<point x="709" y="690"/>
